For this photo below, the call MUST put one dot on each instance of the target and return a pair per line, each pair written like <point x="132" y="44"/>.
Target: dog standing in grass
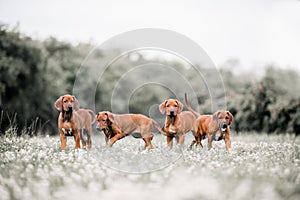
<point x="86" y="119"/>
<point x="68" y="120"/>
<point x="215" y="126"/>
<point x="177" y="122"/>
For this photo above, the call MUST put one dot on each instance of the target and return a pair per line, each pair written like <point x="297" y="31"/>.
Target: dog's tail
<point x="92" y="116"/>
<point x="189" y="106"/>
<point x="157" y="126"/>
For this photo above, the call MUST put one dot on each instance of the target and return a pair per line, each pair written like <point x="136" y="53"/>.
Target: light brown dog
<point x="68" y="120"/>
<point x="86" y="117"/>
<point x="177" y="122"/>
<point x="117" y="126"/>
<point x="215" y="126"/>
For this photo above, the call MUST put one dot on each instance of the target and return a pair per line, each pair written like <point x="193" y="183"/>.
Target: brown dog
<point x="216" y="127"/>
<point x="68" y="120"/>
<point x="117" y="126"/>
<point x="177" y="122"/>
<point x="86" y="117"/>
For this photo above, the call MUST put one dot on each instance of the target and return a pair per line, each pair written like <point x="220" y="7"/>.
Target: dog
<point x="177" y="122"/>
<point x="117" y="126"/>
<point x="215" y="126"/>
<point x="68" y="119"/>
<point x="86" y="119"/>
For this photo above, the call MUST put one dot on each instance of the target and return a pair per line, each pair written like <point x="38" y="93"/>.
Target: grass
<point x="259" y="167"/>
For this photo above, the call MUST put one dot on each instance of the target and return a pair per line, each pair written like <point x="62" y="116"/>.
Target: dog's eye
<point x="167" y="106"/>
<point x="65" y="101"/>
<point x="103" y="120"/>
<point x="227" y="117"/>
<point x="176" y="106"/>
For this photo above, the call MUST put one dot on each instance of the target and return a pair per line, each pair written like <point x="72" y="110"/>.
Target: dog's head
<point x="66" y="103"/>
<point x="223" y="119"/>
<point x="104" y="120"/>
<point x="171" y="107"/>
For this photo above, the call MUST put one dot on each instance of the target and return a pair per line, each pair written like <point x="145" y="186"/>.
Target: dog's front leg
<point x="227" y="141"/>
<point x="209" y="141"/>
<point x="192" y="143"/>
<point x="170" y="141"/>
<point x="63" y="140"/>
<point x="115" y="138"/>
<point x="106" y="140"/>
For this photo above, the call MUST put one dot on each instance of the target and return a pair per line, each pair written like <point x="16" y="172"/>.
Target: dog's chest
<point x="67" y="125"/>
<point x="172" y="125"/>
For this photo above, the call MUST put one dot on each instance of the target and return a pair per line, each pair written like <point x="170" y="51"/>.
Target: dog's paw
<point x="109" y="144"/>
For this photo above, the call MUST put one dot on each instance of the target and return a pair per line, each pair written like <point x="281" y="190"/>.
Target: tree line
<point x="34" y="73"/>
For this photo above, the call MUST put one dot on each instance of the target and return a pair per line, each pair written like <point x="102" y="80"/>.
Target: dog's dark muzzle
<point x="223" y="126"/>
<point x="70" y="108"/>
<point x="172" y="112"/>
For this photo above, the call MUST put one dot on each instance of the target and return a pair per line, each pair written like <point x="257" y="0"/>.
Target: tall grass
<point x="259" y="167"/>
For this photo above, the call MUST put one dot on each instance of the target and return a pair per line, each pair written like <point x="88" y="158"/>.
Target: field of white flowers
<point x="259" y="167"/>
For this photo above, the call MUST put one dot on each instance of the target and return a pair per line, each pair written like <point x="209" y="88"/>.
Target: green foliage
<point x="33" y="74"/>
<point x="20" y="81"/>
<point x="269" y="105"/>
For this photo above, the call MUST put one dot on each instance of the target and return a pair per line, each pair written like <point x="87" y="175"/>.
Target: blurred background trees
<point x="34" y="73"/>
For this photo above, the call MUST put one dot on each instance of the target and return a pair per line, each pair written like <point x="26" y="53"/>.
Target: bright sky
<point x="257" y="32"/>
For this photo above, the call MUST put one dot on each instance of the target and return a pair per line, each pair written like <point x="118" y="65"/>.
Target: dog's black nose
<point x="70" y="108"/>
<point x="171" y="112"/>
<point x="224" y="125"/>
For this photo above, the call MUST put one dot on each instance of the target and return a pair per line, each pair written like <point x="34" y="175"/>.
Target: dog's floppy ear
<point x="110" y="117"/>
<point x="230" y="117"/>
<point x="180" y="106"/>
<point x="96" y="116"/>
<point x="76" y="103"/>
<point x="216" y="116"/>
<point x="58" y="103"/>
<point x="214" y="121"/>
<point x="162" y="107"/>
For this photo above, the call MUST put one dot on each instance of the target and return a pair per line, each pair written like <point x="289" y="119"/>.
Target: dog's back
<point x="86" y="117"/>
<point x="132" y="122"/>
<point x="203" y="123"/>
<point x="188" y="121"/>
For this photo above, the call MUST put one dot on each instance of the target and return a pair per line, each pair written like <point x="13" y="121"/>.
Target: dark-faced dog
<point x="215" y="126"/>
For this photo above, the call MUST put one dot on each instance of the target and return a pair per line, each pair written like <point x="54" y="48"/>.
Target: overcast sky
<point x="257" y="32"/>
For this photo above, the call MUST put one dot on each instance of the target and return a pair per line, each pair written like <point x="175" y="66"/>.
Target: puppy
<point x="215" y="126"/>
<point x="177" y="122"/>
<point x="68" y="119"/>
<point x="86" y="118"/>
<point x="117" y="126"/>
